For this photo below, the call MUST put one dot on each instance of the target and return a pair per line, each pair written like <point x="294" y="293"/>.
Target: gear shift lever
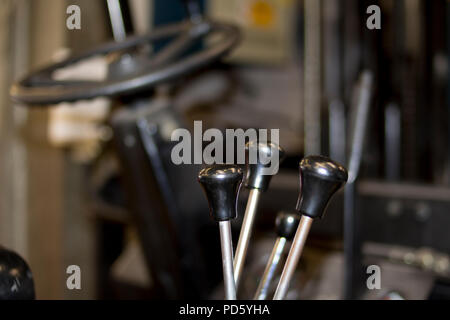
<point x="286" y="225"/>
<point x="320" y="179"/>
<point x="221" y="184"/>
<point x="257" y="181"/>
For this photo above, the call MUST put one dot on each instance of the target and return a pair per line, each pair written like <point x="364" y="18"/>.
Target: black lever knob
<point x="286" y="224"/>
<point x="16" y="280"/>
<point x="320" y="179"/>
<point x="256" y="177"/>
<point x="221" y="184"/>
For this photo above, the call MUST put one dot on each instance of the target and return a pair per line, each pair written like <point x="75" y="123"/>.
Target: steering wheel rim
<point x="39" y="88"/>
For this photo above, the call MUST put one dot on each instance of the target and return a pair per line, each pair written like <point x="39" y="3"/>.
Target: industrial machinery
<point x="153" y="183"/>
<point x="367" y="154"/>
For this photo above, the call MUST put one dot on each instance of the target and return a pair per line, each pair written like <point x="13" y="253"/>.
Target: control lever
<point x="320" y="179"/>
<point x="221" y="184"/>
<point x="257" y="180"/>
<point x="286" y="225"/>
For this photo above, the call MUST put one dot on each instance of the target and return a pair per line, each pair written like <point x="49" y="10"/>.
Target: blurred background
<point x="79" y="186"/>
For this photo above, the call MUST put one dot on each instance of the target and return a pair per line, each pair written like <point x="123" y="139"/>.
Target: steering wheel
<point x="40" y="88"/>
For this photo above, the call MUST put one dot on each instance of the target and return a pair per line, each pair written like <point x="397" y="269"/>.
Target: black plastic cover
<point x="320" y="179"/>
<point x="16" y="280"/>
<point x="286" y="224"/>
<point x="221" y="184"/>
<point x="254" y="177"/>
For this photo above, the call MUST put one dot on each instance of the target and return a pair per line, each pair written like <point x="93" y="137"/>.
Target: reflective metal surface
<point x="226" y="244"/>
<point x="117" y="23"/>
<point x="271" y="268"/>
<point x="260" y="155"/>
<point x="320" y="178"/>
<point x="293" y="257"/>
<point x="244" y="237"/>
<point x="221" y="184"/>
<point x="287" y="224"/>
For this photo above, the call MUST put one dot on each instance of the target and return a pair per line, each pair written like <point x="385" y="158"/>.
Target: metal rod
<point x="352" y="239"/>
<point x="359" y="127"/>
<point x="244" y="236"/>
<point x="193" y="10"/>
<point x="333" y="78"/>
<point x="447" y="166"/>
<point x="312" y="76"/>
<point x="352" y="245"/>
<point x="271" y="267"/>
<point x="172" y="50"/>
<point x="226" y="244"/>
<point x="117" y="21"/>
<point x="294" y="256"/>
<point x="337" y="136"/>
<point x="392" y="142"/>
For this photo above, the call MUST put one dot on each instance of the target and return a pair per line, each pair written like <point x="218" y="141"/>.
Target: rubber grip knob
<point x="255" y="177"/>
<point x="221" y="184"/>
<point x="16" y="280"/>
<point x="320" y="179"/>
<point x="286" y="224"/>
